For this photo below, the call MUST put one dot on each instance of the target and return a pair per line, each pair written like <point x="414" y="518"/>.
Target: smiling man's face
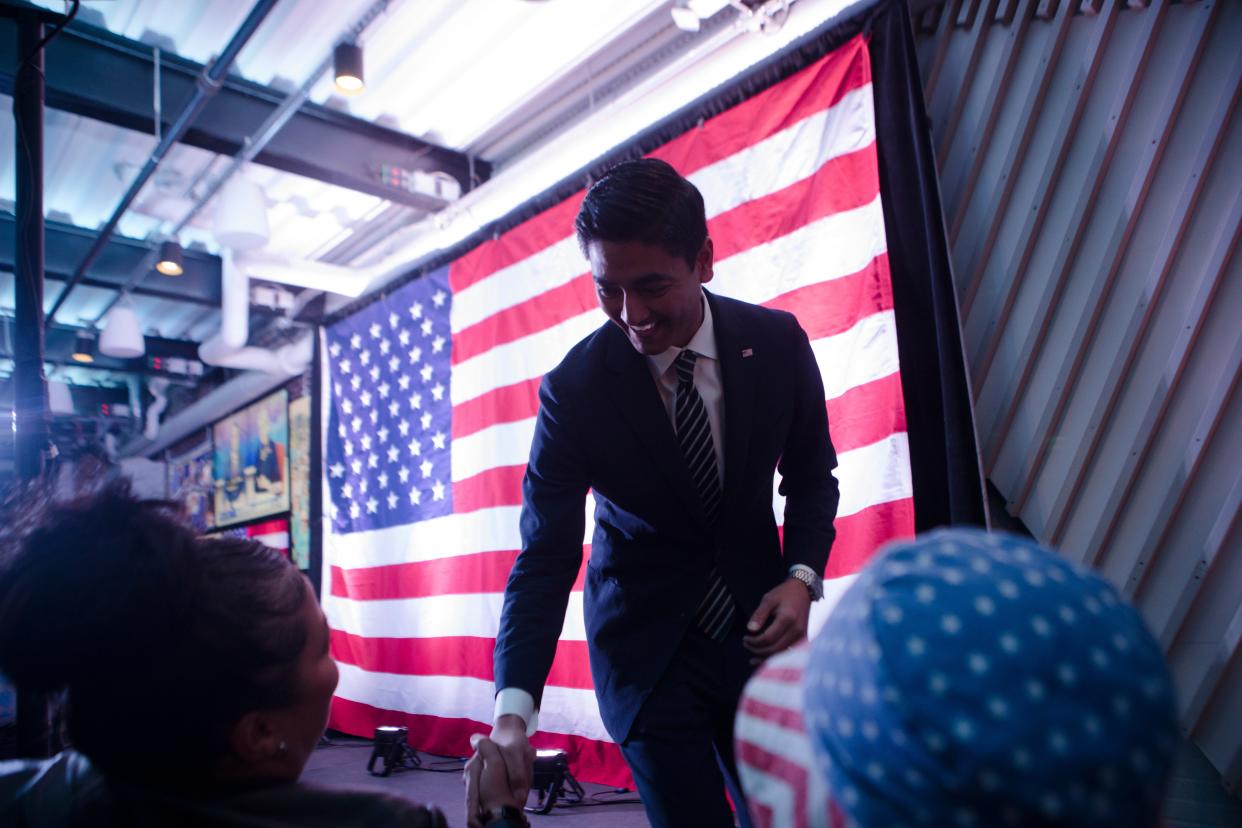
<point x="651" y="294"/>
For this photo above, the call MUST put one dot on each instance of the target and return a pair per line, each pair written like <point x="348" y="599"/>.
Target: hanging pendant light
<point x="122" y="335"/>
<point x="241" y="215"/>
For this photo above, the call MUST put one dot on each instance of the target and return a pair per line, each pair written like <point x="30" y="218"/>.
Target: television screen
<point x="250" y="463"/>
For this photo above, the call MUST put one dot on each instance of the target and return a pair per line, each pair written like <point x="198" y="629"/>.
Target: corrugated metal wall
<point x="1091" y="167"/>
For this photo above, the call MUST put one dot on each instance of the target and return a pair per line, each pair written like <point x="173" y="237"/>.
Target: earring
<point x="282" y="749"/>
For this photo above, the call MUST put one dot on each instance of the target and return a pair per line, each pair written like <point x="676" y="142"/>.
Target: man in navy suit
<point x="675" y="414"/>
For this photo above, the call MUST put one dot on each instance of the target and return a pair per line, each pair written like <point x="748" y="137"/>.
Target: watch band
<point x="809" y="580"/>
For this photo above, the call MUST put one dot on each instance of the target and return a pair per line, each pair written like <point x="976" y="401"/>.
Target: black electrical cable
<point x="47" y="38"/>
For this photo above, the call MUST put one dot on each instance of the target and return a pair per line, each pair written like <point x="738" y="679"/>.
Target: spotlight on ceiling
<point x="83" y="348"/>
<point x="172" y="261"/>
<point x="347" y="59"/>
<point x="122" y="335"/>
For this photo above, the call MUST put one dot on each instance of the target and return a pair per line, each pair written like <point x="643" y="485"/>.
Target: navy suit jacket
<point x="602" y="426"/>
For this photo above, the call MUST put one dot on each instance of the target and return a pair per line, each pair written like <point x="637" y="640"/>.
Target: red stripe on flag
<point x="802" y="94"/>
<point x="843" y="183"/>
<point x="480" y="572"/>
<point x="460" y="656"/>
<point x="860" y="534"/>
<point x="507" y="404"/>
<point x="523" y="241"/>
<point x="867" y="413"/>
<point x="501" y="486"/>
<point x="456" y="575"/>
<point x="786" y="770"/>
<point x="856" y="418"/>
<point x="590" y="760"/>
<point x="789" y="675"/>
<point x="811" y="90"/>
<point x="548" y="308"/>
<point x="775" y="714"/>
<point x="833" y="307"/>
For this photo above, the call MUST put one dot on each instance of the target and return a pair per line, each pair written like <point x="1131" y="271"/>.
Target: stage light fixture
<point x="83" y="348"/>
<point x="347" y="60"/>
<point x="393" y="746"/>
<point x="552" y="781"/>
<point x="172" y="260"/>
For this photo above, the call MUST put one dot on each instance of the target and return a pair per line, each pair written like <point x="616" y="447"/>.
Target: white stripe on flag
<point x="550" y="267"/>
<point x="779" y="161"/>
<point x="485" y="530"/>
<point x="771" y="792"/>
<point x="506" y="444"/>
<point x="869" y="475"/>
<point x="864" y="353"/>
<point x="789" y="156"/>
<point x="475" y="615"/>
<point x="834" y="588"/>
<point x="833" y="247"/>
<point x="563" y="709"/>
<point x="523" y="359"/>
<point x="830" y="248"/>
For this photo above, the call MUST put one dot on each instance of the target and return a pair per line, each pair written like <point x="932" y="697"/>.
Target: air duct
<point x="228" y="347"/>
<point x="158" y="386"/>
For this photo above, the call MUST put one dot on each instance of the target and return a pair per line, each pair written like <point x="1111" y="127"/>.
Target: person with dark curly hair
<point x="194" y="673"/>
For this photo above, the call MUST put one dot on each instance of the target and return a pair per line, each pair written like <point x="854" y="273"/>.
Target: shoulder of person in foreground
<point x="297" y="804"/>
<point x="60" y="791"/>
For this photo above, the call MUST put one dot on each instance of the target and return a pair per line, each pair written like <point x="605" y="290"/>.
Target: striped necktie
<point x="715" y="613"/>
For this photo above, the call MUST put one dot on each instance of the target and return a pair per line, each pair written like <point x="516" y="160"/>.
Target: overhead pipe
<point x="30" y="390"/>
<point x="254" y="144"/>
<point x="208" y="84"/>
<point x="227" y="348"/>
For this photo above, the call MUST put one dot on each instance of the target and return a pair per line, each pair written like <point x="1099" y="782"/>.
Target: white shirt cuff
<point x="517" y="702"/>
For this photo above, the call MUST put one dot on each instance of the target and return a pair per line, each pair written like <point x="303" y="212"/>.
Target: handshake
<point x="498" y="776"/>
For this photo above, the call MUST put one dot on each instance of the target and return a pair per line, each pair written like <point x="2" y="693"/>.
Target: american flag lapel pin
<point x="748" y="352"/>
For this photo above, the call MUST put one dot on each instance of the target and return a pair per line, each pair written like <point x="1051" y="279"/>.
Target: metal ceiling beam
<point x="206" y="84"/>
<point x="97" y="74"/>
<point x="61" y="340"/>
<point x="66" y="245"/>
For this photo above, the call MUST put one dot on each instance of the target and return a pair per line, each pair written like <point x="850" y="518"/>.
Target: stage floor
<point x="342" y="763"/>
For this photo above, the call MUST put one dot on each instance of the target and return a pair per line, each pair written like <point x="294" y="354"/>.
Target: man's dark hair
<point x="160" y="640"/>
<point x="644" y="201"/>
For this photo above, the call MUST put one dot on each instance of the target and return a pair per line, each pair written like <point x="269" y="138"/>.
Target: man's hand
<point x="487" y="782"/>
<point x="784" y="610"/>
<point x="509" y="734"/>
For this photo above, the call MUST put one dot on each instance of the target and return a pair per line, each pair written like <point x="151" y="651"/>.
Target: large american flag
<point x="432" y="393"/>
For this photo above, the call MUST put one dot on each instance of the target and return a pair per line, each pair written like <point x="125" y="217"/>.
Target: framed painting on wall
<point x="250" y="466"/>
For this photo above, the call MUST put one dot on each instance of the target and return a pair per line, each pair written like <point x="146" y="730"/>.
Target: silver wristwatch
<point x="812" y="582"/>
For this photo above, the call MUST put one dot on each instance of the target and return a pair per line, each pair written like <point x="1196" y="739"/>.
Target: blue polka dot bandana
<point x="976" y="679"/>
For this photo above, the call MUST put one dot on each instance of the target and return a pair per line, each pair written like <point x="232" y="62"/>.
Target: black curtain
<point x="944" y="459"/>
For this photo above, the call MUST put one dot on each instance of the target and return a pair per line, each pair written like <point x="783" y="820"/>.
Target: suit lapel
<point x="738" y="376"/>
<point x="638" y="400"/>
